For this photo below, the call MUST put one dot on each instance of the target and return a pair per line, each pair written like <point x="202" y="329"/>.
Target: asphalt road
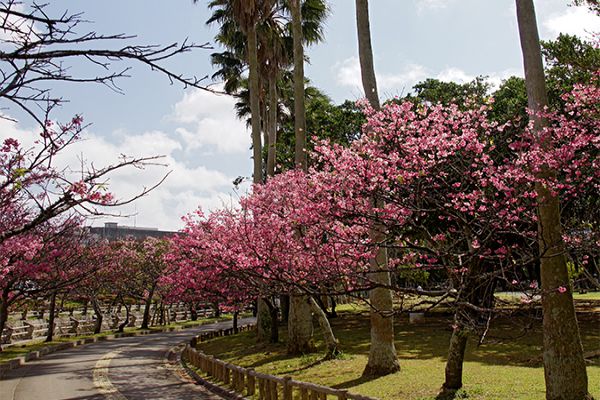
<point x="134" y="368"/>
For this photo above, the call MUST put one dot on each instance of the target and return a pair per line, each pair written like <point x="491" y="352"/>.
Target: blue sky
<point x="206" y="147"/>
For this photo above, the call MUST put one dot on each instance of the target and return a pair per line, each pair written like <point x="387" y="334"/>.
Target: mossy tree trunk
<point x="300" y="326"/>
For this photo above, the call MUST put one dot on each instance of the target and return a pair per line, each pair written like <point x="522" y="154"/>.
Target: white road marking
<point x="102" y="381"/>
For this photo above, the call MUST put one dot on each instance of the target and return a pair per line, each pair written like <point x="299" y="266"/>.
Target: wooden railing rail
<point x="248" y="382"/>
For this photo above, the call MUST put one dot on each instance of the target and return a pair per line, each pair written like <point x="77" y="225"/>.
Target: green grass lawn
<point x="506" y="366"/>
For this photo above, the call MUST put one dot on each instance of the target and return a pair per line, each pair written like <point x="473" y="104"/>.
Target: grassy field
<point x="507" y="365"/>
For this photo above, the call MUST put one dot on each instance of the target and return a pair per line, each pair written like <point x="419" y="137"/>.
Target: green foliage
<point x="464" y="94"/>
<point x="340" y="124"/>
<point x="569" y="60"/>
<point x="411" y="276"/>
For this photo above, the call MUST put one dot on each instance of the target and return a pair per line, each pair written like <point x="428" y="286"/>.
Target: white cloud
<point x="185" y="189"/>
<point x="210" y="123"/>
<point x="453" y="74"/>
<point x="348" y="74"/>
<point x="575" y="21"/>
<point x="423" y="5"/>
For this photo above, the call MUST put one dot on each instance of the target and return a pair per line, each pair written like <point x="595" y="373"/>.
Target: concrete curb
<point x="35" y="355"/>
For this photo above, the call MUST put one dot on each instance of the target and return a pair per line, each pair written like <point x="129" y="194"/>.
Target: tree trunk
<point x="365" y="53"/>
<point x="254" y="103"/>
<point x="99" y="316"/>
<point x="126" y="322"/>
<point x="564" y="365"/>
<point x="299" y="107"/>
<point x="193" y="312"/>
<point x="272" y="126"/>
<point x="146" y="317"/>
<point x="478" y="290"/>
<point x="330" y="341"/>
<point x="382" y="355"/>
<point x="333" y="313"/>
<point x="284" y="300"/>
<point x="263" y="321"/>
<point x="456" y="355"/>
<point x="274" y="338"/>
<point x="216" y="309"/>
<point x="3" y="313"/>
<point x="235" y="321"/>
<point x="51" y="315"/>
<point x="300" y="327"/>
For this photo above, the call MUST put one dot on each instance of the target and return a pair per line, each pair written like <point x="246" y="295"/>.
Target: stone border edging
<point x="20" y="361"/>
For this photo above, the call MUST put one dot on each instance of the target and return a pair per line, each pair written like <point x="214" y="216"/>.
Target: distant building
<point x="112" y="231"/>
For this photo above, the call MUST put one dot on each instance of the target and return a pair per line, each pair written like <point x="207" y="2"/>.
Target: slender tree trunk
<point x="272" y="126"/>
<point x="273" y="314"/>
<point x="216" y="309"/>
<point x="299" y="107"/>
<point x="51" y="315"/>
<point x="126" y="321"/>
<point x="330" y="341"/>
<point x="148" y="304"/>
<point x="564" y="365"/>
<point x="333" y="306"/>
<point x="382" y="355"/>
<point x="99" y="316"/>
<point x="235" y="321"/>
<point x="193" y="312"/>
<point x="3" y="312"/>
<point x="284" y="300"/>
<point x="300" y="327"/>
<point x="255" y="103"/>
<point x="456" y="356"/>
<point x="478" y="291"/>
<point x="365" y="53"/>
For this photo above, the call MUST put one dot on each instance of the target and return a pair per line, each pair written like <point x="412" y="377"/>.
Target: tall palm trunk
<point x="299" y="108"/>
<point x="272" y="126"/>
<point x="365" y="53"/>
<point x="254" y="103"/>
<point x="382" y="355"/>
<point x="564" y="366"/>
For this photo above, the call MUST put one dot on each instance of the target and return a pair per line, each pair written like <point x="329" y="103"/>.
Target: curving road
<point x="134" y="368"/>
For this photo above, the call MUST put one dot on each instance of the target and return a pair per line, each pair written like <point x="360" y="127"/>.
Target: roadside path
<point x="133" y="368"/>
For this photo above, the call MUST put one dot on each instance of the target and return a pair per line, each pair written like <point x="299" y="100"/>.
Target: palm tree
<point x="382" y="353"/>
<point x="245" y="15"/>
<point x="564" y="365"/>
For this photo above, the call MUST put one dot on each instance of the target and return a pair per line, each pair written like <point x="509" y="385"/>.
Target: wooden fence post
<point x="287" y="388"/>
<point x="273" y="387"/>
<point x="250" y="384"/>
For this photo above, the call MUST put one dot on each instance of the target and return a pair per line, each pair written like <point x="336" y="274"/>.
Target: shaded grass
<point x="506" y="365"/>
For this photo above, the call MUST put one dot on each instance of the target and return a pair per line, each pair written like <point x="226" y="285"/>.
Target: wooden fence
<point x="248" y="382"/>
